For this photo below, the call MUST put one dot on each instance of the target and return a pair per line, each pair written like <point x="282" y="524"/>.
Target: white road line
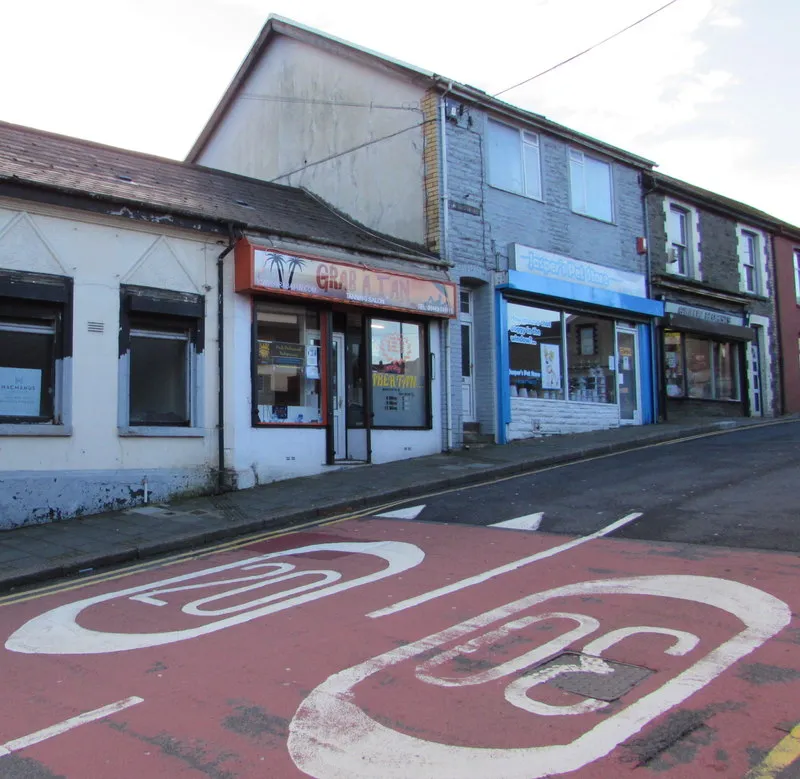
<point x="68" y="724"/>
<point x="528" y="522"/>
<point x="507" y="568"/>
<point x="412" y="512"/>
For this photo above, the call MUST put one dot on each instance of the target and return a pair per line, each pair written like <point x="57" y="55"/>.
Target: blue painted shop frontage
<point x="575" y="346"/>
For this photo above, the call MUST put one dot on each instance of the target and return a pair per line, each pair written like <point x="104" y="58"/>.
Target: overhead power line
<point x="352" y="149"/>
<point x="316" y="101"/>
<point x="586" y="51"/>
<point x="427" y="121"/>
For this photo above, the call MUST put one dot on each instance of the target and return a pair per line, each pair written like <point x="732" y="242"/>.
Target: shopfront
<point x="342" y="360"/>
<point x="574" y="346"/>
<point x="707" y="357"/>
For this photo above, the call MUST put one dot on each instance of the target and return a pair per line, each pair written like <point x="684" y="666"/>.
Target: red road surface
<point x="459" y="686"/>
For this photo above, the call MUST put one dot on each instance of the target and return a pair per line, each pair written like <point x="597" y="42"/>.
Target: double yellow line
<point x="40" y="592"/>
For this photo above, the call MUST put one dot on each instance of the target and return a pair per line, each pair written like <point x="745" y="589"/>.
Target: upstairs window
<point x="590" y="186"/>
<point x="679" y="259"/>
<point x="750" y="264"/>
<point x="35" y="339"/>
<point x="514" y="161"/>
<point x="797" y="274"/>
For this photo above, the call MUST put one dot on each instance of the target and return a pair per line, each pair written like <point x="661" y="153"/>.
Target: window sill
<point x="595" y="218"/>
<point x="36" y="431"/>
<point x="146" y="431"/>
<point x="685" y="276"/>
<point x="536" y="199"/>
<point x="755" y="295"/>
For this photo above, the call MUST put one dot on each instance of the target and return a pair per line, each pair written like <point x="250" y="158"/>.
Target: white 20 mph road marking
<point x="57" y="632"/>
<point x="332" y="737"/>
<point x="507" y="568"/>
<point x="528" y="522"/>
<point x="68" y="724"/>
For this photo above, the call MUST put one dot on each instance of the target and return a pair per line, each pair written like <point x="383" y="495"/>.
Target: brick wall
<point x="531" y="417"/>
<point x="431" y="168"/>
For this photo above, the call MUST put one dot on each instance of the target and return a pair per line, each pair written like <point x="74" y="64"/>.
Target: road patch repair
<point x="394" y="648"/>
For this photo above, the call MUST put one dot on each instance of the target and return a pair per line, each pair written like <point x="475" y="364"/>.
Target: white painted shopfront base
<point x="533" y="417"/>
<point x="275" y="454"/>
<point x="389" y="445"/>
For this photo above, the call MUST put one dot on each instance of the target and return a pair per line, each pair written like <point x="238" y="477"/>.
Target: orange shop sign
<point x="259" y="268"/>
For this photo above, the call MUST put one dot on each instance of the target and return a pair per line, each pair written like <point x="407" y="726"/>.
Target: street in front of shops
<point x="615" y="639"/>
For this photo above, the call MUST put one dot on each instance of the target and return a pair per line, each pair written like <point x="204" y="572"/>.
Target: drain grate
<point x="610" y="680"/>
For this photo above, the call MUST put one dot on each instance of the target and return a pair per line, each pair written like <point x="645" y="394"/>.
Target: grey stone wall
<point x="482" y="221"/>
<point x="719" y="249"/>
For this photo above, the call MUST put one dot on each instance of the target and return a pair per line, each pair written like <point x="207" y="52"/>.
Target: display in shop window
<point x="399" y="386"/>
<point x="535" y="356"/>
<point x="287" y="360"/>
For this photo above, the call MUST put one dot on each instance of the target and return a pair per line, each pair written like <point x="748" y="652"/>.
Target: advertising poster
<point x="551" y="366"/>
<point x="20" y="392"/>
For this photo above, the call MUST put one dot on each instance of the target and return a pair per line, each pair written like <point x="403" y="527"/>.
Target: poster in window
<point x="399" y="391"/>
<point x="551" y="367"/>
<point x="20" y="392"/>
<point x="281" y="353"/>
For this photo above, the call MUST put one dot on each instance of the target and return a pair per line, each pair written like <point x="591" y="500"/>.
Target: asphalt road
<point x="734" y="489"/>
<point x="438" y="648"/>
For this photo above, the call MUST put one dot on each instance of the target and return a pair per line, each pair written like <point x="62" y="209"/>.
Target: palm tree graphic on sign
<point x="276" y="260"/>
<point x="295" y="263"/>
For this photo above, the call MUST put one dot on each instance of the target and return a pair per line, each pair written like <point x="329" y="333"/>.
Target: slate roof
<point x="83" y="168"/>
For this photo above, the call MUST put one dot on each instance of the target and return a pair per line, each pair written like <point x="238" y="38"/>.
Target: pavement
<point x="73" y="547"/>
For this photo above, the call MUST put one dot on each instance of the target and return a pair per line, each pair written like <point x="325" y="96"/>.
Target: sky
<point x="705" y="88"/>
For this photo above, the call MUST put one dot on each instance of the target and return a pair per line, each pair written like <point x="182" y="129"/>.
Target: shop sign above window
<point x="260" y="268"/>
<point x="589" y="274"/>
<point x="706" y="314"/>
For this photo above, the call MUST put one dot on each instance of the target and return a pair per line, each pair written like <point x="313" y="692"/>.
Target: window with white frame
<point x="590" y="186"/>
<point x="749" y="262"/>
<point x="679" y="260"/>
<point x="514" y="160"/>
<point x="35" y="340"/>
<point x="161" y="342"/>
<point x="797" y="274"/>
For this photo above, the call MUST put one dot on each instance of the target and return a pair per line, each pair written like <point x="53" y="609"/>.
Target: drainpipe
<point x="660" y="407"/>
<point x="221" y="361"/>
<point x="444" y="202"/>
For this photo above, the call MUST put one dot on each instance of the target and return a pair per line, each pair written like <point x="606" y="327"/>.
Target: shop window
<point x="287" y="365"/>
<point x="590" y="186"/>
<point x="400" y="393"/>
<point x="673" y="365"/>
<point x="514" y="160"/>
<point x="34" y="341"/>
<point x="590" y="359"/>
<point x="536" y="360"/>
<point x="701" y="368"/>
<point x="161" y="348"/>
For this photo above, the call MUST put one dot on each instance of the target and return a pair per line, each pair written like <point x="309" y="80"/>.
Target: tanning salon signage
<point x="259" y="268"/>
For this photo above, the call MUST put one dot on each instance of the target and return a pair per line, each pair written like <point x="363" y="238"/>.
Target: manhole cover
<point x="594" y="677"/>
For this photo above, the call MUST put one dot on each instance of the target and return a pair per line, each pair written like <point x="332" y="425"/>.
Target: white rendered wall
<point x="92" y="467"/>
